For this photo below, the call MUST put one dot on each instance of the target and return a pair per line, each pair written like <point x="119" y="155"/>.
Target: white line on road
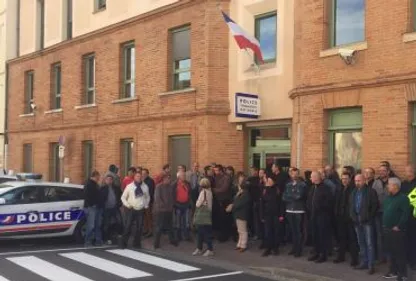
<point x="53" y="250"/>
<point x="106" y="265"/>
<point x="152" y="260"/>
<point x="46" y="269"/>
<point x="211" y="276"/>
<point x="3" y="279"/>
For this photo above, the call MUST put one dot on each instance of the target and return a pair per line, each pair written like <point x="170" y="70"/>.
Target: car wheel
<point x="80" y="230"/>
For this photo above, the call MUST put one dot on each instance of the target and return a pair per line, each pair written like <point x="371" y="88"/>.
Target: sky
<point x="350" y="21"/>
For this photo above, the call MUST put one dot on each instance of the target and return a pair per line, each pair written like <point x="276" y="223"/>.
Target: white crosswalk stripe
<point x="3" y="279"/>
<point x="46" y="269"/>
<point x="106" y="265"/>
<point x="156" y="261"/>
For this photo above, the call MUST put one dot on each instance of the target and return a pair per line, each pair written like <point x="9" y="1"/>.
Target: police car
<point x="30" y="209"/>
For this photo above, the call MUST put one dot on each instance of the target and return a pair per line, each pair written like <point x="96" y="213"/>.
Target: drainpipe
<point x="5" y="134"/>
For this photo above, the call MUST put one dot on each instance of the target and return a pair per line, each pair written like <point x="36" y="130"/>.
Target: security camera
<point x="347" y="55"/>
<point x="32" y="105"/>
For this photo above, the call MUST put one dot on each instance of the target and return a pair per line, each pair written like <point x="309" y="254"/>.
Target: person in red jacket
<point x="129" y="178"/>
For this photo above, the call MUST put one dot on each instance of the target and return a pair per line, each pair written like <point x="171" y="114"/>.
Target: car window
<point x="22" y="195"/>
<point x="61" y="193"/>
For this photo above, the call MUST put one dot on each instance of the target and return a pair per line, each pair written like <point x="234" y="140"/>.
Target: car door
<point x="65" y="206"/>
<point x="19" y="213"/>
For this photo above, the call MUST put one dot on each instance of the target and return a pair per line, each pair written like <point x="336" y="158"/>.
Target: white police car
<point x="30" y="209"/>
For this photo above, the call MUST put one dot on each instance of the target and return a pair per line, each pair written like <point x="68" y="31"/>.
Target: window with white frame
<point x="56" y="86"/>
<point x="128" y="70"/>
<point x="29" y="87"/>
<point x="89" y="79"/>
<point x="181" y="54"/>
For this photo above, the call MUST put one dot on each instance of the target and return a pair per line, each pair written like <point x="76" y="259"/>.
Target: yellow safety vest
<point x="412" y="199"/>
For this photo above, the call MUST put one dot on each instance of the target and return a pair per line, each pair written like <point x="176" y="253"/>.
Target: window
<point x="181" y="53"/>
<point x="18" y="28"/>
<point x="413" y="14"/>
<point x="100" y="5"/>
<point x="69" y="19"/>
<point x="89" y="79"/>
<point x="29" y="87"/>
<point x="41" y="23"/>
<point x="266" y="33"/>
<point x="23" y="195"/>
<point x="347" y="19"/>
<point x="126" y="151"/>
<point x="345" y="138"/>
<point x="63" y="194"/>
<point x="88" y="154"/>
<point x="27" y="158"/>
<point x="128" y="70"/>
<point x="56" y="86"/>
<point x="54" y="163"/>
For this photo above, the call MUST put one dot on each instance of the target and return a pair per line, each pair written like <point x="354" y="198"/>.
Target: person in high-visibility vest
<point x="409" y="189"/>
<point x="412" y="199"/>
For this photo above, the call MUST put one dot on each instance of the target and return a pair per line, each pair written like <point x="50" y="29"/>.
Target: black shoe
<point x="297" y="255"/>
<point x="313" y="258"/>
<point x="266" y="253"/>
<point x="321" y="260"/>
<point x="292" y="252"/>
<point x="174" y="243"/>
<point x="353" y="263"/>
<point x="361" y="267"/>
<point x="371" y="270"/>
<point x="262" y="246"/>
<point x="390" y="275"/>
<point x="275" y="252"/>
<point x="413" y="266"/>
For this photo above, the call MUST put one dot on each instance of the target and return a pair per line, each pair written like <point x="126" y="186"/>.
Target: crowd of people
<point x="367" y="216"/>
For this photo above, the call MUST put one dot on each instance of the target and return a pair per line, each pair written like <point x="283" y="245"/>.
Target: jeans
<point x="395" y="242"/>
<point x="321" y="227"/>
<point x="242" y="233"/>
<point x="131" y="216"/>
<point x="162" y="222"/>
<point x="272" y="228"/>
<point x="182" y="225"/>
<point x="295" y="223"/>
<point x="347" y="239"/>
<point x="366" y="241"/>
<point x="112" y="218"/>
<point x="148" y="220"/>
<point x="94" y="224"/>
<point x="204" y="235"/>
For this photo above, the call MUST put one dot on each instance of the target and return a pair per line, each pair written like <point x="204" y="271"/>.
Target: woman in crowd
<point x="241" y="210"/>
<point x="203" y="219"/>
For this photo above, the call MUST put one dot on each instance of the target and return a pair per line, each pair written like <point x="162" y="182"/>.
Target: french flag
<point x="243" y="39"/>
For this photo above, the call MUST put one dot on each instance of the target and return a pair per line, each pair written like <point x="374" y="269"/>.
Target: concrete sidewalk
<point x="282" y="267"/>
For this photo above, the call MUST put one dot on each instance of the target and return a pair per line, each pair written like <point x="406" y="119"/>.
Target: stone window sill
<point x="265" y="66"/>
<point x="178" y="92"/>
<point x="27" y="115"/>
<point x="85" y="106"/>
<point x="124" y="100"/>
<point x="98" y="10"/>
<point x="335" y="51"/>
<point x="409" y="37"/>
<point x="58" y="110"/>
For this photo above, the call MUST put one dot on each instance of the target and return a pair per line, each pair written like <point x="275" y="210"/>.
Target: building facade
<point x="143" y="84"/>
<point x="360" y="113"/>
<point x="259" y="96"/>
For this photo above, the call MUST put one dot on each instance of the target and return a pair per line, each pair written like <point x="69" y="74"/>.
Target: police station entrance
<point x="268" y="145"/>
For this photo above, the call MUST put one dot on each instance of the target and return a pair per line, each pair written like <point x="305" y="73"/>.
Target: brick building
<point x="360" y="113"/>
<point x="147" y="90"/>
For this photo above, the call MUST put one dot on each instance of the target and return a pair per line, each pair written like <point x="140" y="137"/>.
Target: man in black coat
<point x="94" y="206"/>
<point x="111" y="195"/>
<point x="320" y="206"/>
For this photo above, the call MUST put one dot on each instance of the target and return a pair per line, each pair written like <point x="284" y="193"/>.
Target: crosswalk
<point x="96" y="265"/>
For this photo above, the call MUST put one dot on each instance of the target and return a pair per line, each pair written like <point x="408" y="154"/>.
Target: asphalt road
<point x="58" y="260"/>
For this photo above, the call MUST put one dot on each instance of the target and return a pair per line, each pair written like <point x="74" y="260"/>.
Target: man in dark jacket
<point x="272" y="212"/>
<point x="94" y="206"/>
<point x="112" y="216"/>
<point x="395" y="221"/>
<point x="148" y="218"/>
<point x="363" y="211"/>
<point x="345" y="226"/>
<point x="407" y="186"/>
<point x="320" y="205"/>
<point x="255" y="191"/>
<point x="295" y="199"/>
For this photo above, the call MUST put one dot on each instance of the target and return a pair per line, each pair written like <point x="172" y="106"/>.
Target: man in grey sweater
<point x="164" y="200"/>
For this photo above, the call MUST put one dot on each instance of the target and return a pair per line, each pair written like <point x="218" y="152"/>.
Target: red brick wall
<point x="381" y="82"/>
<point x="151" y="119"/>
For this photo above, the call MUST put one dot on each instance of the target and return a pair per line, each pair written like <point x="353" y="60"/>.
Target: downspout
<point x="5" y="134"/>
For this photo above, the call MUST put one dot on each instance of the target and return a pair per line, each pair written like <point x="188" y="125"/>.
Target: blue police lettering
<point x="43" y="217"/>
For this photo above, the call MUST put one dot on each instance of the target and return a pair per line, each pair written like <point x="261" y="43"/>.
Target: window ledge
<point x="58" y="110"/>
<point x="85" y="106"/>
<point x="176" y="92"/>
<point x="124" y="100"/>
<point x="409" y="37"/>
<point x="27" y="115"/>
<point x="335" y="51"/>
<point x="265" y="66"/>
